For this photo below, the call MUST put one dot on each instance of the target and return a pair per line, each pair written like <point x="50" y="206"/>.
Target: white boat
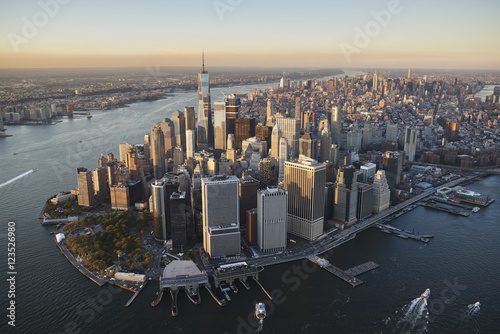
<point x="426" y="293"/>
<point x="475" y="209"/>
<point x="260" y="311"/>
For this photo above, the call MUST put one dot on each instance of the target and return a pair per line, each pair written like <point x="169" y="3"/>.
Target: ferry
<point x="260" y="311"/>
<point x="475" y="209"/>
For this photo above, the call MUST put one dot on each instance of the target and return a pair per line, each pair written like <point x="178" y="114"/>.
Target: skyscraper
<point x="248" y="196"/>
<point x="346" y="195"/>
<point x="381" y="192"/>
<point x="391" y="133"/>
<point x="190" y="144"/>
<point x="271" y="219"/>
<point x="204" y="126"/>
<point x="158" y="151"/>
<point x="85" y="187"/>
<point x="283" y="156"/>
<point x="410" y="143"/>
<point x="325" y="141"/>
<point x="100" y="181"/>
<point x="336" y="125"/>
<point x="161" y="191"/>
<point x="375" y="81"/>
<point x="305" y="184"/>
<point x="290" y="129"/>
<point x="179" y="220"/>
<point x="275" y="141"/>
<point x="245" y="128"/>
<point x="233" y="104"/>
<point x="221" y="235"/>
<point x="367" y="132"/>
<point x="365" y="201"/>
<point x="190" y="118"/>
<point x="180" y="128"/>
<point x="168" y="129"/>
<point x="270" y="113"/>
<point x="297" y="108"/>
<point x="220" y="125"/>
<point x="308" y="145"/>
<point x="393" y="164"/>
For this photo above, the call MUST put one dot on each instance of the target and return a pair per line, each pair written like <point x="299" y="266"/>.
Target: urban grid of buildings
<point x="293" y="160"/>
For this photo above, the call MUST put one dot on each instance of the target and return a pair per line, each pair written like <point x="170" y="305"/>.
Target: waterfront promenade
<point x="79" y="266"/>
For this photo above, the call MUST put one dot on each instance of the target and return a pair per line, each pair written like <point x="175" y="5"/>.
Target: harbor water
<point x="459" y="266"/>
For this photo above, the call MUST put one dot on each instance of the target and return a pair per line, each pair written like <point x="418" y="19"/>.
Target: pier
<point x="159" y="296"/>
<point x="459" y="205"/>
<point x="136" y="294"/>
<point x="221" y="302"/>
<point x="445" y="209"/>
<point x="346" y="275"/>
<point x="402" y="234"/>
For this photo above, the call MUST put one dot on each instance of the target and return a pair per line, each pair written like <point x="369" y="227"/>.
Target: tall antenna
<point x="203" y="60"/>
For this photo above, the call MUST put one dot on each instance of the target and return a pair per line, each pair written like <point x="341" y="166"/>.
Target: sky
<point x="250" y="33"/>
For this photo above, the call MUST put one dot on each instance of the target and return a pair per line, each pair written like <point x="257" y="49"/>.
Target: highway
<point x="332" y="239"/>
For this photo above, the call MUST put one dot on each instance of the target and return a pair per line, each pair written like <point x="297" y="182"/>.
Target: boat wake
<point x="412" y="318"/>
<point x="17" y="178"/>
<point x="261" y="326"/>
<point x="472" y="310"/>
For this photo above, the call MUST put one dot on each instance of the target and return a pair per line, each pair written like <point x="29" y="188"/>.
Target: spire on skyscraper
<point x="203" y="61"/>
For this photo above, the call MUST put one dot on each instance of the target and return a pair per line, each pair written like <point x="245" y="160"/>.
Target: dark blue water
<point x="460" y="266"/>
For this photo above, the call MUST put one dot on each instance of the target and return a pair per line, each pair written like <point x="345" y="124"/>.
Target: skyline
<point x="238" y="33"/>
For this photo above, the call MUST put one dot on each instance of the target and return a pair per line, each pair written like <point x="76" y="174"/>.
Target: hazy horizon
<point x="237" y="33"/>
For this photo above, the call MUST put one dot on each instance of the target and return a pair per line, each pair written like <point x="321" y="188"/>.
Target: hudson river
<point x="460" y="265"/>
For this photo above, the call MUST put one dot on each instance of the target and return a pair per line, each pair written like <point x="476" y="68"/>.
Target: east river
<point x="460" y="266"/>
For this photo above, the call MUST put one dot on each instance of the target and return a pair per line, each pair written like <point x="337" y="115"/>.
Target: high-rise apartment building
<point x="85" y="187"/>
<point x="272" y="219"/>
<point x="305" y="184"/>
<point x="100" y="181"/>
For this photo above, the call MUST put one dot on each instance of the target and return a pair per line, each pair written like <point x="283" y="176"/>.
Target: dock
<point x="389" y="229"/>
<point x="221" y="302"/>
<point x="345" y="275"/>
<point x="445" y="209"/>
<point x="157" y="301"/>
<point x="267" y="294"/>
<point x="136" y="294"/>
<point x="459" y="205"/>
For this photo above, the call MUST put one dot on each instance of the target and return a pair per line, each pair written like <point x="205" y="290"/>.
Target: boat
<point x="428" y="236"/>
<point x="33" y="170"/>
<point x="260" y="311"/>
<point x="89" y="116"/>
<point x="426" y="293"/>
<point x="15" y="153"/>
<point x="475" y="209"/>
